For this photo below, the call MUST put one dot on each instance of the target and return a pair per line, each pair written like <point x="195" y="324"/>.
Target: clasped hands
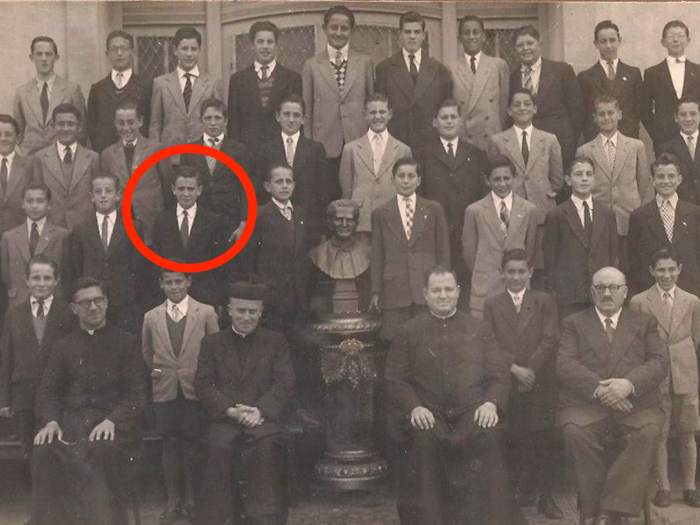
<point x="103" y="431"/>
<point x="613" y="394"/>
<point x="247" y="416"/>
<point x="526" y="377"/>
<point x="486" y="416"/>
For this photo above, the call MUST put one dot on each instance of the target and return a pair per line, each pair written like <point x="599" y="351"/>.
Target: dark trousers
<point x="532" y="463"/>
<point x="25" y="424"/>
<point x="252" y="468"/>
<point x="453" y="474"/>
<point x="334" y="191"/>
<point x="85" y="483"/>
<point x="609" y="484"/>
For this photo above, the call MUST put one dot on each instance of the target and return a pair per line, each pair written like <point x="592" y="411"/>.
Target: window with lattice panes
<point x="379" y="42"/>
<point x="499" y="43"/>
<point x="155" y="56"/>
<point x="295" y="45"/>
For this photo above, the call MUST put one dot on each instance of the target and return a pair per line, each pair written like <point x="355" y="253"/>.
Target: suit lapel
<point x="624" y="333"/>
<point x="658" y="309"/>
<point x="623" y="149"/>
<point x="428" y="70"/>
<point x="536" y="148"/>
<point x="327" y="71"/>
<point x="54" y="164"/>
<point x="509" y="312"/>
<point x="366" y="153"/>
<point x="482" y="75"/>
<point x="394" y="220"/>
<point x="689" y="79"/>
<point x="47" y="234"/>
<point x="351" y="73"/>
<point x="82" y="162"/>
<point x="546" y="80"/>
<point x="656" y="223"/>
<point x="598" y="224"/>
<point x="51" y="324"/>
<point x="510" y="137"/>
<point x="279" y="83"/>
<point x="250" y="85"/>
<point x="57" y="95"/>
<point x="419" y="220"/>
<point x="680" y="224"/>
<point x="493" y="219"/>
<point x="601" y="157"/>
<point x="597" y="338"/>
<point x="22" y="241"/>
<point x="191" y="320"/>
<point x="405" y="82"/>
<point x="173" y="83"/>
<point x="680" y="309"/>
<point x="18" y="172"/>
<point x="200" y="85"/>
<point x="668" y="81"/>
<point x="575" y="221"/>
<point x="465" y="75"/>
<point x="389" y="156"/>
<point x="527" y="310"/>
<point x="94" y="236"/>
<point x="516" y="214"/>
<point x="35" y="104"/>
<point x="117" y="233"/>
<point x="460" y="155"/>
<point x="140" y="153"/>
<point x="162" y="328"/>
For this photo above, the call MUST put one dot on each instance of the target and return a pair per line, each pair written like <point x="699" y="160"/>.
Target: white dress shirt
<point x="671" y="292"/>
<point x="194" y="73"/>
<point x="497" y="202"/>
<point x="604" y="64"/>
<point x="332" y="52"/>
<point x="191" y="214"/>
<point x="673" y="203"/>
<point x="604" y="142"/>
<point x="384" y="139"/>
<point x="39" y="226"/>
<point x="133" y="142"/>
<point x="416" y="59"/>
<point x="182" y="306"/>
<point x="207" y="138"/>
<point x="517" y="298"/>
<point x="519" y="133"/>
<point x="614" y="318"/>
<point x="579" y="207"/>
<point x="126" y="76"/>
<point x="40" y="85"/>
<point x="9" y="158"/>
<point x="695" y="138"/>
<point x="295" y="140"/>
<point x="47" y="305"/>
<point x="283" y="206"/>
<point x="677" y="70"/>
<point x="402" y="209"/>
<point x="454" y="142"/>
<point x="111" y="221"/>
<point x="534" y="74"/>
<point x="62" y="150"/>
<point x="468" y="58"/>
<point x="270" y="68"/>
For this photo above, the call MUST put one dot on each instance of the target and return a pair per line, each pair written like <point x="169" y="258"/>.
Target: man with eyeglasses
<point x="610" y="365"/>
<point x="89" y="408"/>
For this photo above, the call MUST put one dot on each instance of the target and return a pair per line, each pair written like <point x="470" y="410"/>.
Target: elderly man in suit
<point x="610" y="365"/>
<point x="560" y="105"/>
<point x="36" y="100"/>
<point x="335" y="84"/>
<point x="666" y="83"/>
<point x="415" y="84"/>
<point x="254" y="93"/>
<point x="176" y="99"/>
<point x="481" y="85"/>
<point x="121" y="84"/>
<point x="171" y="338"/>
<point x="447" y="382"/>
<point x="366" y="166"/>
<point x="611" y="76"/>
<point x="678" y="315"/>
<point x="244" y="381"/>
<point x="15" y="174"/>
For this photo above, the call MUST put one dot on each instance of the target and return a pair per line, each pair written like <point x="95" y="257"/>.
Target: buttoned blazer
<point x="413" y="105"/>
<point x="103" y="99"/>
<point x="171" y="123"/>
<point x="23" y="357"/>
<point x="586" y="357"/>
<point x="570" y="258"/>
<point x="483" y="98"/>
<point x="334" y="118"/>
<point x="398" y="264"/>
<point x="358" y="181"/>
<point x="541" y="179"/>
<point x="70" y="203"/>
<point x="167" y="369"/>
<point x="11" y="212"/>
<point x="647" y="234"/>
<point x="248" y="121"/>
<point x="148" y="198"/>
<point x="627" y="87"/>
<point x="680" y="331"/>
<point x="689" y="188"/>
<point x="629" y="184"/>
<point x="483" y="243"/>
<point x="35" y="132"/>
<point x="14" y="254"/>
<point x="660" y="99"/>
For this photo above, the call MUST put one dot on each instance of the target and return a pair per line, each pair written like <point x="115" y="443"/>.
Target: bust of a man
<point x="344" y="255"/>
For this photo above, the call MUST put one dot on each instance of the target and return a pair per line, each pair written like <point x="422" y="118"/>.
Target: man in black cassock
<point x="446" y="381"/>
<point x="89" y="407"/>
<point x="244" y="382"/>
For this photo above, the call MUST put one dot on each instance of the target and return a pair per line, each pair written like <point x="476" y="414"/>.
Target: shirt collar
<point x="443" y="317"/>
<point x="468" y="58"/>
<point x="534" y="67"/>
<point x="282" y="206"/>
<point x="181" y="72"/>
<point x="112" y="217"/>
<point x="40" y="83"/>
<point x="207" y="137"/>
<point x="671" y="292"/>
<point x="39" y="224"/>
<point x="520" y="294"/>
<point x="62" y="148"/>
<point x="508" y="200"/>
<point x="673" y="200"/>
<point x="9" y="157"/>
<point x="519" y="131"/>
<point x="182" y="305"/>
<point x="402" y="198"/>
<point x="694" y="135"/>
<point x="416" y="56"/>
<point x="133" y="142"/>
<point x="579" y="202"/>
<point x="672" y="60"/>
<point x="240" y="334"/>
<point x="270" y="66"/>
<point x="454" y="143"/>
<point x="604" y="63"/>
<point x="190" y="213"/>
<point x="47" y="304"/>
<point x="384" y="134"/>
<point x="126" y="73"/>
<point x="343" y="51"/>
<point x="605" y="139"/>
<point x="615" y="318"/>
<point x="295" y="138"/>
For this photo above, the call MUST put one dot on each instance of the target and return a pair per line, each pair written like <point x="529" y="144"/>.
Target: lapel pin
<point x="624" y="79"/>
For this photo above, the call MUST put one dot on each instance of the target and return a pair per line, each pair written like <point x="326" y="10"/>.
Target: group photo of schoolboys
<point x="533" y="266"/>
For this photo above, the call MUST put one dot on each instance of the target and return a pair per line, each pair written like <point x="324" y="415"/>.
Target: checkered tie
<point x="527" y="80"/>
<point x="176" y="314"/>
<point x="263" y="72"/>
<point x="691" y="146"/>
<point x="211" y="161"/>
<point x="290" y="151"/>
<point x="610" y="148"/>
<point x="287" y="212"/>
<point x="340" y="66"/>
<point x="505" y="218"/>
<point x="408" y="208"/>
<point x="667" y="218"/>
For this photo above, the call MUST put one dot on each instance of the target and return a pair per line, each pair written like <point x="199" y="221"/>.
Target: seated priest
<point x="446" y="380"/>
<point x="89" y="407"/>
<point x="611" y="362"/>
<point x="244" y="382"/>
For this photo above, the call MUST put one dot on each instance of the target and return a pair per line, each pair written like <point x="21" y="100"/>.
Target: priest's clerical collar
<point x="445" y="316"/>
<point x="240" y="334"/>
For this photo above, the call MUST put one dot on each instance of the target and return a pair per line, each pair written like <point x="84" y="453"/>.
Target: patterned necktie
<point x="472" y="64"/>
<point x="408" y="208"/>
<point x="187" y="92"/>
<point x="412" y="68"/>
<point x="517" y="302"/>
<point x="505" y="218"/>
<point x="691" y="146"/>
<point x="4" y="173"/>
<point x="105" y="232"/>
<point x="667" y="218"/>
<point x="263" y="72"/>
<point x="40" y="308"/>
<point x="129" y="149"/>
<point x="525" y="149"/>
<point x="176" y="315"/>
<point x="587" y="222"/>
<point x="611" y="70"/>
<point x="527" y="80"/>
<point x="33" y="239"/>
<point x="610" y="147"/>
<point x="287" y="212"/>
<point x="339" y="70"/>
<point x="185" y="229"/>
<point x="377" y="152"/>
<point x="68" y="156"/>
<point x="609" y="330"/>
<point x="211" y="161"/>
<point x="119" y="80"/>
<point x="290" y="151"/>
<point x="44" y="100"/>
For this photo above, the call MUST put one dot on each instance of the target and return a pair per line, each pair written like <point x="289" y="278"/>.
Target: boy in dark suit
<point x="121" y="84"/>
<point x="409" y="236"/>
<point x="100" y="248"/>
<point x="666" y="83"/>
<point x="526" y="328"/>
<point x="222" y="190"/>
<point x="195" y="234"/>
<point x="580" y="238"/>
<point x="254" y="93"/>
<point x="15" y="173"/>
<point x="30" y="328"/>
<point x="684" y="145"/>
<point x="610" y="76"/>
<point x="665" y="222"/>
<point x="306" y="157"/>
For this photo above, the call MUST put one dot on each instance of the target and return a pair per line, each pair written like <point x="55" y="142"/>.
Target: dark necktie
<point x="33" y="239"/>
<point x="525" y="149"/>
<point x="129" y="155"/>
<point x="587" y="221"/>
<point x="609" y="330"/>
<point x="472" y="64"/>
<point x="450" y="152"/>
<point x="413" y="69"/>
<point x="44" y="100"/>
<point x="68" y="156"/>
<point x="263" y="72"/>
<point x="3" y="175"/>
<point x="40" y="308"/>
<point x="187" y="92"/>
<point x="185" y="229"/>
<point x="105" y="232"/>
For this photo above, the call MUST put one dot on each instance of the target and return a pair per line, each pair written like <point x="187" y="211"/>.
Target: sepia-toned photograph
<point x="363" y="263"/>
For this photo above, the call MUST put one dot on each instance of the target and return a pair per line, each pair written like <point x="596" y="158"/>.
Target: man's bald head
<point x="610" y="272"/>
<point x="609" y="290"/>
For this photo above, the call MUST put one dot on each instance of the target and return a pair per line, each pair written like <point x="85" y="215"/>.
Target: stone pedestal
<point x="346" y="339"/>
